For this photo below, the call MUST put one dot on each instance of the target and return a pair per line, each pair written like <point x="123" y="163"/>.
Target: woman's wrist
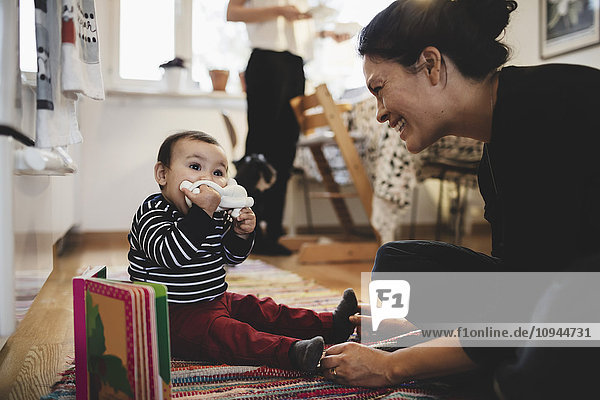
<point x="396" y="369"/>
<point x="438" y="357"/>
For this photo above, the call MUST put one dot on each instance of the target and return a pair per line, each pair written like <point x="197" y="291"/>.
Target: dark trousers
<point x="272" y="79"/>
<point x="243" y="330"/>
<point x="429" y="256"/>
<point x="520" y="373"/>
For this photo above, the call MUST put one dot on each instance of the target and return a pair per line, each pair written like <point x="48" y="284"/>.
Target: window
<point x="146" y="37"/>
<point x="27" y="50"/>
<point x="217" y="43"/>
<point x="152" y="32"/>
<point x="338" y="64"/>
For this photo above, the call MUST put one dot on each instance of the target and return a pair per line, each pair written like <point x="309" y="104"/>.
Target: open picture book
<point x="121" y="332"/>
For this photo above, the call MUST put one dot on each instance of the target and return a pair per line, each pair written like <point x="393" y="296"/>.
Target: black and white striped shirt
<point x="187" y="253"/>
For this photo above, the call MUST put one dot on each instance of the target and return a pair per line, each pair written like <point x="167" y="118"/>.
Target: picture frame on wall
<point x="568" y="25"/>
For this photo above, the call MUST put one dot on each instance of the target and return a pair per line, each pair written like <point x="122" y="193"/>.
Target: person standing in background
<point x="281" y="34"/>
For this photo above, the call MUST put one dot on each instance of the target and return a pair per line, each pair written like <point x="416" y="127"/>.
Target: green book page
<point x="162" y="326"/>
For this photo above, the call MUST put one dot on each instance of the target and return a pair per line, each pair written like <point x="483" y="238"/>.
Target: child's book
<point x="121" y="338"/>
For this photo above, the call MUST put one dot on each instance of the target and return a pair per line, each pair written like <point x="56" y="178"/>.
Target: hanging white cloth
<point x="56" y="121"/>
<point x="68" y="65"/>
<point x="81" y="72"/>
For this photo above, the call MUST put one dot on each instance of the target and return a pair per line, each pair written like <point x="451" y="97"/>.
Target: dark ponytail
<point x="466" y="31"/>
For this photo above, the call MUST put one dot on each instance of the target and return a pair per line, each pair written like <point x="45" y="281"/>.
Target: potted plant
<point x="227" y="51"/>
<point x="219" y="79"/>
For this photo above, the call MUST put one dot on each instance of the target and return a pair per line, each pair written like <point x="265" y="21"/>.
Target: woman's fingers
<point x="335" y="349"/>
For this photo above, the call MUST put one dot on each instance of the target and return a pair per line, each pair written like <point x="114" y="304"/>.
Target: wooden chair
<point x="230" y="129"/>
<point x="319" y="110"/>
<point x="459" y="172"/>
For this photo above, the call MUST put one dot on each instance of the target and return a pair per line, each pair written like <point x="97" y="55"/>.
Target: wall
<point x="122" y="137"/>
<point x="523" y="35"/>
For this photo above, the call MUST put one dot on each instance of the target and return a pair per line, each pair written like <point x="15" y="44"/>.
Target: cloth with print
<point x="81" y="69"/>
<point x="56" y="120"/>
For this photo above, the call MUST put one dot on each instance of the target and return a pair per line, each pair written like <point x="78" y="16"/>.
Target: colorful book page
<point x="79" y="328"/>
<point x="111" y="333"/>
<point x="140" y="365"/>
<point x="122" y="338"/>
<point x="163" y="338"/>
<point x="151" y="340"/>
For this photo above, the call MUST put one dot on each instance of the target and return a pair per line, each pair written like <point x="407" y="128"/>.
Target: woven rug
<point x="197" y="380"/>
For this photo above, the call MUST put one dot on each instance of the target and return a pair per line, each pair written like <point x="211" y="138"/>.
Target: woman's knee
<point x="412" y="255"/>
<point x="391" y="256"/>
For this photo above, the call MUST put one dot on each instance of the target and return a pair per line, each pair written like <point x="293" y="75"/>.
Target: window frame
<point x="111" y="47"/>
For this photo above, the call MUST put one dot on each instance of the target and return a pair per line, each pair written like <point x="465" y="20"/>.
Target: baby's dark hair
<point x="166" y="148"/>
<point x="463" y="30"/>
<point x="164" y="153"/>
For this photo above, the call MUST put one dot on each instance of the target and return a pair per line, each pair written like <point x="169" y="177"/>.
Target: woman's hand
<point x="354" y="364"/>
<point x="338" y="37"/>
<point x="207" y="198"/>
<point x="291" y="13"/>
<point x="245" y="222"/>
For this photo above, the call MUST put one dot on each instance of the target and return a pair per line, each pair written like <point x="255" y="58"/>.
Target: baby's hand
<point x="245" y="222"/>
<point x="207" y="198"/>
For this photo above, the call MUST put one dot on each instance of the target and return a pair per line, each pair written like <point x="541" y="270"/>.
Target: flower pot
<point x="219" y="79"/>
<point x="173" y="77"/>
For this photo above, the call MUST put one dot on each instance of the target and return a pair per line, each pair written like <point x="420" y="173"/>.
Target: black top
<point x="187" y="253"/>
<point x="543" y="197"/>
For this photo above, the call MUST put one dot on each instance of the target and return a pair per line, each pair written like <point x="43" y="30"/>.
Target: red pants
<point x="243" y="330"/>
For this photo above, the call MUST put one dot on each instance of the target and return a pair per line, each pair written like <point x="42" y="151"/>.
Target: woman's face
<point x="407" y="101"/>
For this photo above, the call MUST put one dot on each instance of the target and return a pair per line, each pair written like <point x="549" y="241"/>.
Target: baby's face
<point x="192" y="160"/>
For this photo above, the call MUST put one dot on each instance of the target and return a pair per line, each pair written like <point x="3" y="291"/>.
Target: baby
<point x="186" y="249"/>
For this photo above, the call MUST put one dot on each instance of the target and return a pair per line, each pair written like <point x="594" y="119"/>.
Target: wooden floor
<point x="32" y="358"/>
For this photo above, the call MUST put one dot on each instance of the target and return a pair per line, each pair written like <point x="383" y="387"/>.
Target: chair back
<point x="319" y="110"/>
<point x="310" y="113"/>
<point x="230" y="128"/>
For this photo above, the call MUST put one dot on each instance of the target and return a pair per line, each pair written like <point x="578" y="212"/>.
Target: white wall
<point x="122" y="138"/>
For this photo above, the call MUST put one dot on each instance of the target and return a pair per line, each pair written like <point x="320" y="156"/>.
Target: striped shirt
<point x="187" y="253"/>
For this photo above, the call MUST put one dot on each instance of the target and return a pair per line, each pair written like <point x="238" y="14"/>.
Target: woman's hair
<point x="164" y="153"/>
<point x="463" y="30"/>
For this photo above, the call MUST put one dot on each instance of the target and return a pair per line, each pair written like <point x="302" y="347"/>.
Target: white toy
<point x="233" y="196"/>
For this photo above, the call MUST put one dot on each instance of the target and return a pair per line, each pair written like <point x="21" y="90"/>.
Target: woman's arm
<point x="356" y="364"/>
<point x="238" y="12"/>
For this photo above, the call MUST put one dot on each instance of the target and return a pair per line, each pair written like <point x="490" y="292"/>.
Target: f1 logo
<point x="389" y="300"/>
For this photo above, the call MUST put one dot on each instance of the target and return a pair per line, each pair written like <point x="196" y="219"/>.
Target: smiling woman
<point x="430" y="51"/>
<point x="436" y="69"/>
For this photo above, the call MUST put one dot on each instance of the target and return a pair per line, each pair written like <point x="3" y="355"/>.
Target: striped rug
<point x="197" y="380"/>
